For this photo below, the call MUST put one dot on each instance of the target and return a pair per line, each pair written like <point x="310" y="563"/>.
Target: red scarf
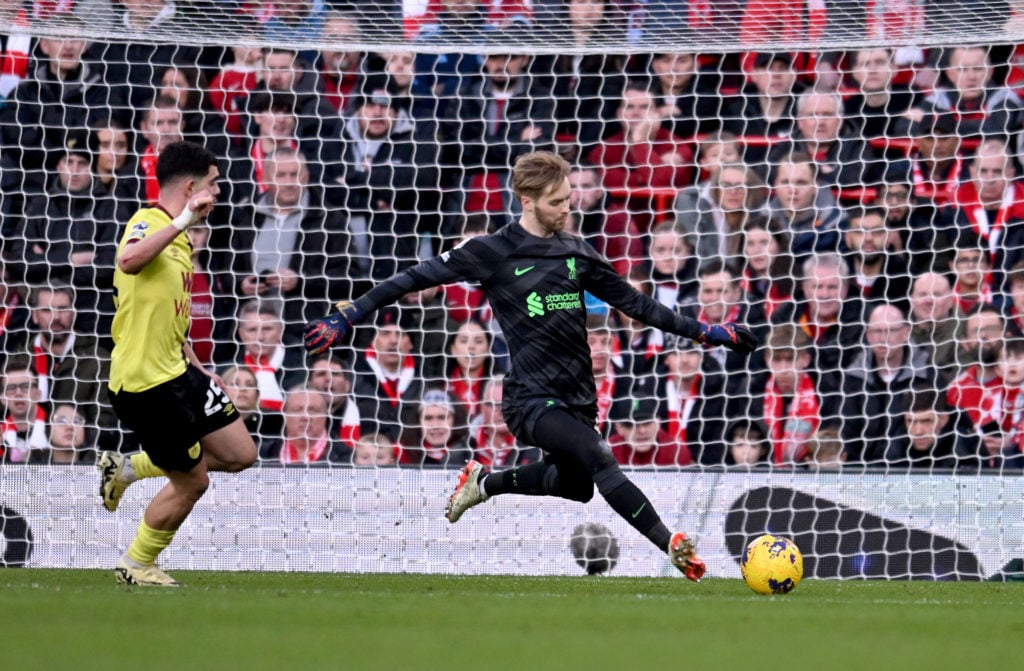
<point x="148" y="165"/>
<point x="941" y="190"/>
<point x="350" y="431"/>
<point x="200" y="330"/>
<point x="393" y="385"/>
<point x="489" y="454"/>
<point x="985" y="294"/>
<point x="265" y="370"/>
<point x="679" y="409"/>
<point x="988" y="228"/>
<point x="35" y="438"/>
<point x="731" y="316"/>
<point x="467" y="390"/>
<point x="315" y="452"/>
<point x="982" y="401"/>
<point x="790" y="434"/>
<point x="815" y="331"/>
<point x="605" y="396"/>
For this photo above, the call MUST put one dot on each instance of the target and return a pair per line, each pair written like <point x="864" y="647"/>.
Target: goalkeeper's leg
<point x="580" y="458"/>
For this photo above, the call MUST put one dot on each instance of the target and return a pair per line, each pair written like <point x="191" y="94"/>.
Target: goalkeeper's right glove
<point x="327" y="331"/>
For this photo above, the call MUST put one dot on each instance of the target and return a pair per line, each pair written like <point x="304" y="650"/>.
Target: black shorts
<point x="170" y="418"/>
<point x="522" y="417"/>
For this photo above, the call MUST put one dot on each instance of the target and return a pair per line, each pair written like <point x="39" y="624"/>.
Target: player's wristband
<point x="185" y="219"/>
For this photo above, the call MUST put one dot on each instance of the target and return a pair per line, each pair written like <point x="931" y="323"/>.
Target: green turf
<point x="80" y="620"/>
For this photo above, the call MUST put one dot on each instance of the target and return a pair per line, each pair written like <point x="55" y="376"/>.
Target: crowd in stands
<point x="859" y="210"/>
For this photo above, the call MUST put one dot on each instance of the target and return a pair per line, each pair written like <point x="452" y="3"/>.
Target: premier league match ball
<point x="772" y="565"/>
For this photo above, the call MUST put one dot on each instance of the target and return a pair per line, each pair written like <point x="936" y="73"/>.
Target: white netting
<point x="841" y="176"/>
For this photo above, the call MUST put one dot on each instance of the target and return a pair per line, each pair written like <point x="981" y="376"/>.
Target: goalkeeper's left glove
<point x="326" y="332"/>
<point x="735" y="336"/>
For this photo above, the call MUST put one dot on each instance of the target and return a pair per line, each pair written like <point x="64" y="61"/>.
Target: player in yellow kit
<point x="186" y="423"/>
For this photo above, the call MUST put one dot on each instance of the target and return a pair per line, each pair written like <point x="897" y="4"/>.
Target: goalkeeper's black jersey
<point x="535" y="287"/>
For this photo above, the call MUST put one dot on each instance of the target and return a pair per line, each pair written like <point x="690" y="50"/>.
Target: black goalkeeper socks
<point x="529" y="480"/>
<point x="632" y="505"/>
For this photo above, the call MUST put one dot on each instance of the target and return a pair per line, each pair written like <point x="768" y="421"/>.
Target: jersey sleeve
<point x="602" y="281"/>
<point x="468" y="261"/>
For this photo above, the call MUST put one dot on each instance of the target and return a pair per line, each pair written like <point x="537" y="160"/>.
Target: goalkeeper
<point x="534" y="275"/>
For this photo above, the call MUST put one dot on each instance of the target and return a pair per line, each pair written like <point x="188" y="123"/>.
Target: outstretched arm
<point x="610" y="287"/>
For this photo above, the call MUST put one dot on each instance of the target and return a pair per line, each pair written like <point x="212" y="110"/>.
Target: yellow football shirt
<point x="154" y="310"/>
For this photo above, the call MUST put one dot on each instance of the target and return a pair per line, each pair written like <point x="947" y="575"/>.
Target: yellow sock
<point x="144" y="466"/>
<point x="148" y="544"/>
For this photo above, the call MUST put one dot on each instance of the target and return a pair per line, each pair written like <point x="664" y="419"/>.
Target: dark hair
<point x="927" y="399"/>
<point x="53" y="288"/>
<point x="858" y="212"/>
<point x="715" y="266"/>
<point x="183" y="159"/>
<point x="1014" y="346"/>
<point x="275" y="101"/>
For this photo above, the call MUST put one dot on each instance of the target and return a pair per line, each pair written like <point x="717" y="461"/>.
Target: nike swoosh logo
<point x="523" y="271"/>
<point x="639" y="510"/>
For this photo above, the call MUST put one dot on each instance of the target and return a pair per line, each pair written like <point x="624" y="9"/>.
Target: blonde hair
<point x="535" y="173"/>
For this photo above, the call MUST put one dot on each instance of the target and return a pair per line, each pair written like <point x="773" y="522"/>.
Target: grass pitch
<point x="81" y="620"/>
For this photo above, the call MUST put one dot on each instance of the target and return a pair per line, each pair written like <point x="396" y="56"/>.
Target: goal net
<point x="840" y="176"/>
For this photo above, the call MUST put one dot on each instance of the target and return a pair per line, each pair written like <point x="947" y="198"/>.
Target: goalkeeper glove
<point x="734" y="336"/>
<point x="325" y="332"/>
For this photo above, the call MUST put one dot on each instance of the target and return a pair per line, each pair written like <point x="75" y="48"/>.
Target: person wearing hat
<point x="534" y="276"/>
<point x="438" y="438"/>
<point x="385" y="177"/>
<point x="639" y="440"/>
<point x="69" y="232"/>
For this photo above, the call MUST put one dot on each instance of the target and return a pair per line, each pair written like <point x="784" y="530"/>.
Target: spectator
<point x="766" y="107"/>
<point x="792" y="401"/>
<point x="24" y="425"/>
<point x="843" y="159"/>
<point x="979" y="107"/>
<point x="826" y="312"/>
<point x="412" y="98"/>
<point x="765" y="264"/>
<point x="672" y="265"/>
<point x="878" y="382"/>
<point x="162" y="125"/>
<point x="116" y="166"/>
<point x="935" y="321"/>
<point x="261" y="349"/>
<point x="492" y="122"/>
<point x="13" y="317"/>
<point x="635" y="344"/>
<point x="610" y="230"/>
<point x="881" y="274"/>
<point x="931" y="438"/>
<point x="63" y="93"/>
<point x="285" y="72"/>
<point x="716" y="150"/>
<point x="306" y="440"/>
<point x="299" y="22"/>
<point x="611" y="377"/>
<point x="185" y="82"/>
<point x="748" y="443"/>
<point x="213" y="309"/>
<point x="385" y="178"/>
<point x="69" y="439"/>
<point x="804" y="208"/>
<point x="825" y="450"/>
<point x="429" y="324"/>
<point x="586" y="87"/>
<point x="273" y="127"/>
<point x="374" y="450"/>
<point x="692" y="389"/>
<point x="234" y="82"/>
<point x="387" y="381"/>
<point x="329" y="376"/>
<point x="643" y="154"/>
<point x="288" y="244"/>
<point x="459" y="23"/>
<point x="496" y="447"/>
<point x="70" y="366"/>
<point x="469" y="365"/>
<point x="972" y="273"/>
<point x="879" y="108"/>
<point x="639" y="441"/>
<point x="341" y="69"/>
<point x="714" y="213"/>
<point x="1010" y="450"/>
<point x="242" y="388"/>
<point x="1014" y="307"/>
<point x="690" y="100"/>
<point x="991" y="205"/>
<point x="437" y="439"/>
<point x="157" y="28"/>
<point x="936" y="162"/>
<point x="69" y="234"/>
<point x="720" y="299"/>
<point x="978" y="391"/>
<point x="17" y="45"/>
